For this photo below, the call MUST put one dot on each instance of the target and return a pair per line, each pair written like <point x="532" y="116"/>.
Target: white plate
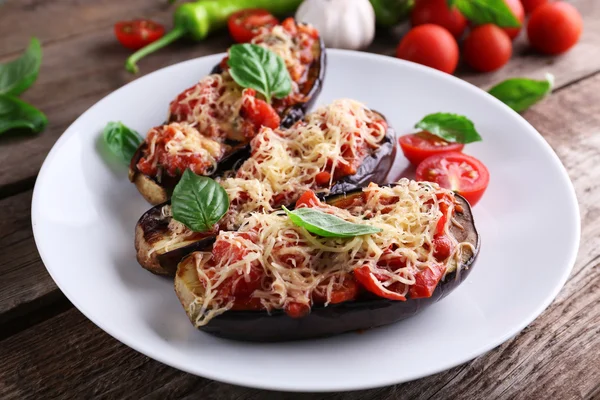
<point x="84" y="212"/>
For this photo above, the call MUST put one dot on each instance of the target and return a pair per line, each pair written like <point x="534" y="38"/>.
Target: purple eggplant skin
<point x="157" y="190"/>
<point x="260" y="326"/>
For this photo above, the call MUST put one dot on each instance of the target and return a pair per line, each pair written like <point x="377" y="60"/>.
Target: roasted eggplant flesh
<point x="363" y="313"/>
<point x="158" y="189"/>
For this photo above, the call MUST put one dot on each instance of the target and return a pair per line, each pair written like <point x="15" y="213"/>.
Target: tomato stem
<point x="131" y="63"/>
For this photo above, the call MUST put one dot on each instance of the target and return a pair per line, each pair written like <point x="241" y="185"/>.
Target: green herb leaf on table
<point x="521" y="93"/>
<point x="452" y="128"/>
<point x="18" y="75"/>
<point x="121" y="140"/>
<point x="327" y="225"/>
<point x="482" y="12"/>
<point x="198" y="202"/>
<point x="15" y="114"/>
<point x="255" y="67"/>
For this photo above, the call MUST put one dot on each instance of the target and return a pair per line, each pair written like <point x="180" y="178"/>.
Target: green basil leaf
<point x="327" y="225"/>
<point x="451" y="3"/>
<point x="122" y="141"/>
<point x="482" y="12"/>
<point x="521" y="93"/>
<point x="198" y="202"/>
<point x="391" y="12"/>
<point x="452" y="128"/>
<point x="16" y="114"/>
<point x="255" y="67"/>
<point x="16" y="76"/>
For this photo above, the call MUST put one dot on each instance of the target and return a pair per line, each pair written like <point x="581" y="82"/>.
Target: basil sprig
<point x="521" y="93"/>
<point x="121" y="140"/>
<point x="198" y="202"/>
<point x="255" y="67"/>
<point x="327" y="225"/>
<point x="482" y="12"/>
<point x="452" y="128"/>
<point x="16" y="77"/>
<point x="16" y="114"/>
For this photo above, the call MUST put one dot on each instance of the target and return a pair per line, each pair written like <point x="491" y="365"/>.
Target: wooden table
<point x="49" y="349"/>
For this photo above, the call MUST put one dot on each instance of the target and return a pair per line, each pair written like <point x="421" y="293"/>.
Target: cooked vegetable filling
<point x="271" y="263"/>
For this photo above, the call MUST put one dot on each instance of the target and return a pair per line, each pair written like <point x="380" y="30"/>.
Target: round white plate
<point x="84" y="211"/>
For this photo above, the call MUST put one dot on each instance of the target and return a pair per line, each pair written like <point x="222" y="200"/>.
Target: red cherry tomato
<point x="437" y="12"/>
<point x="245" y="24"/>
<point x="138" y="33"/>
<point x="370" y="282"/>
<point x="530" y="5"/>
<point x="430" y="45"/>
<point x="459" y="172"/>
<point x="487" y="48"/>
<point x="418" y="146"/>
<point x="517" y="9"/>
<point x="554" y="27"/>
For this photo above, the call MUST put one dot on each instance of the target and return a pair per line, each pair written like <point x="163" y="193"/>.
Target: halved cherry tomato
<point x="245" y="24"/>
<point x="426" y="282"/>
<point x="369" y="281"/>
<point x="439" y="13"/>
<point x="138" y="33"/>
<point x="418" y="146"/>
<point x="459" y="172"/>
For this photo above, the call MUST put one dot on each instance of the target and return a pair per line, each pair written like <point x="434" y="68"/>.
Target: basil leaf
<point x="255" y="67"/>
<point x="122" y="141"/>
<point x="391" y="12"/>
<point x="15" y="114"/>
<point x="452" y="128"/>
<point x="327" y="225"/>
<point x="16" y="76"/>
<point x="521" y="93"/>
<point x="198" y="202"/>
<point x="482" y="12"/>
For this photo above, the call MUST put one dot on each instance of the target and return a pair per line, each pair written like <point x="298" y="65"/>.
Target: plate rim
<point x="349" y="386"/>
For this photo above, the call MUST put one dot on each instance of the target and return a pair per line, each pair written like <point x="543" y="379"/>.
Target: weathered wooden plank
<point x="80" y="69"/>
<point x="555" y="357"/>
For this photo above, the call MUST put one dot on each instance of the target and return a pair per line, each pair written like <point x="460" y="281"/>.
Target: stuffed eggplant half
<point x="211" y="124"/>
<point x="337" y="148"/>
<point x="274" y="280"/>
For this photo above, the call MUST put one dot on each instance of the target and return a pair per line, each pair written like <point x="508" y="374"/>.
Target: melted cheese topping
<point x="408" y="225"/>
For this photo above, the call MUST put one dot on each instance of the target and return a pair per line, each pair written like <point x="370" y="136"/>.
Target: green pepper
<point x="196" y="20"/>
<point x="390" y="12"/>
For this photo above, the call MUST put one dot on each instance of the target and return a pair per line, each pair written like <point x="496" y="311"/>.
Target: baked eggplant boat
<point x="337" y="148"/>
<point x="210" y="125"/>
<point x="272" y="280"/>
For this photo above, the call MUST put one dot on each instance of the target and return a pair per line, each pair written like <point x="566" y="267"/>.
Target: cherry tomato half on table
<point x="439" y="13"/>
<point x="487" y="48"/>
<point x="554" y="27"/>
<point x="430" y="45"/>
<point x="138" y="33"/>
<point x="245" y="24"/>
<point x="458" y="172"/>
<point x="419" y="146"/>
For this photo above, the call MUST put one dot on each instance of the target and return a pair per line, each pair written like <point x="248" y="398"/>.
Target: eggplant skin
<point x="157" y="191"/>
<point x="260" y="326"/>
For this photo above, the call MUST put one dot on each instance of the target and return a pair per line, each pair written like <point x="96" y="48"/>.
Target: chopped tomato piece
<point x="308" y="199"/>
<point x="242" y="283"/>
<point x="297" y="310"/>
<point x="426" y="282"/>
<point x="340" y="293"/>
<point x="323" y="178"/>
<point x="258" y="112"/>
<point x="373" y="284"/>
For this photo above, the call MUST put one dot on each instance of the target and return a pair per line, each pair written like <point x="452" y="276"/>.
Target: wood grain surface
<point x="50" y="350"/>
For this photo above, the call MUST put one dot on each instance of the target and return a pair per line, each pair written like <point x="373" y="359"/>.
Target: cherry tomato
<point x="530" y="5"/>
<point x="430" y="45"/>
<point x="418" y="146"/>
<point x="459" y="172"/>
<point x="426" y="281"/>
<point x="517" y="9"/>
<point x="370" y="282"/>
<point x="554" y="27"/>
<point x="437" y="12"/>
<point x="138" y="33"/>
<point x="245" y="24"/>
<point x="487" y="48"/>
